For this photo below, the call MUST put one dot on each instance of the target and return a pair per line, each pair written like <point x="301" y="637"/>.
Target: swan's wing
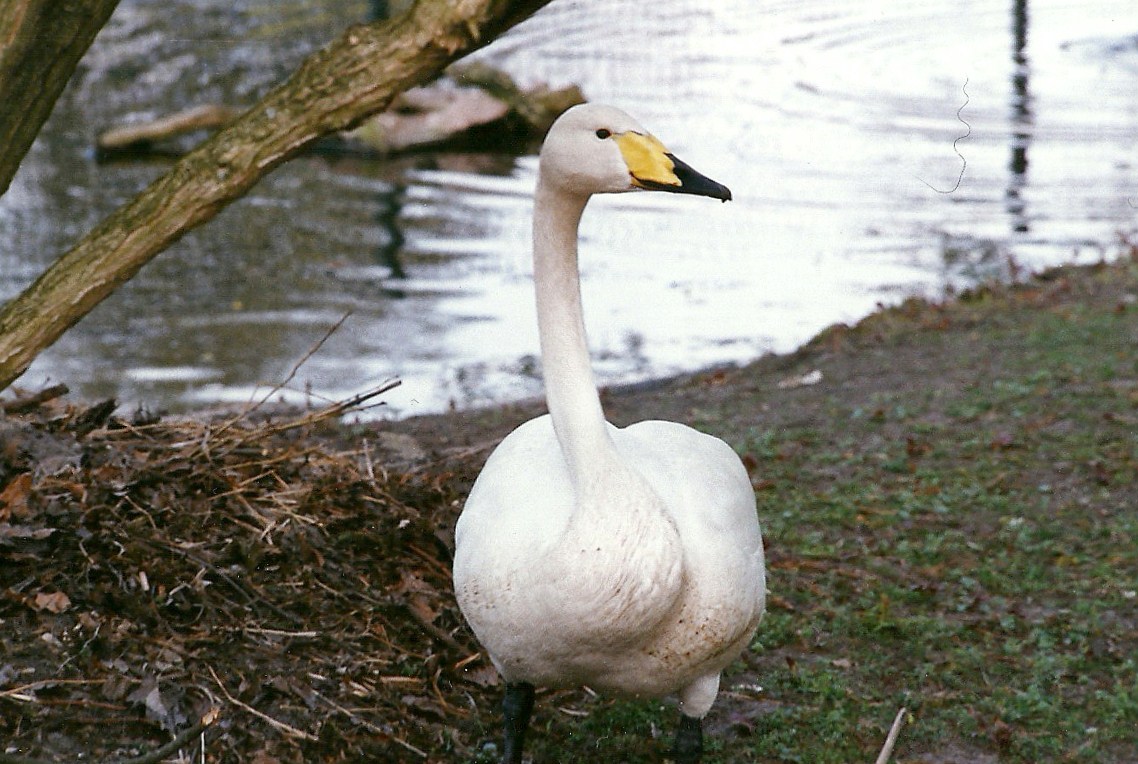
<point x="706" y="488"/>
<point x="699" y="476"/>
<point x="522" y="497"/>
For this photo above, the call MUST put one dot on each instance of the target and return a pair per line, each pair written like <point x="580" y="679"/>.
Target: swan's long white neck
<point x="570" y="389"/>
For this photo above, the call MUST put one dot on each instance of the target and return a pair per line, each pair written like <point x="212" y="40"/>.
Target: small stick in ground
<point x="891" y="739"/>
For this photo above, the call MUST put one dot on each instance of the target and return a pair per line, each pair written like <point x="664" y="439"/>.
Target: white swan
<point x="628" y="560"/>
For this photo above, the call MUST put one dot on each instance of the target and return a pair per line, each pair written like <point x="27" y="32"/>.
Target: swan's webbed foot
<point x="688" y="745"/>
<point x="516" y="709"/>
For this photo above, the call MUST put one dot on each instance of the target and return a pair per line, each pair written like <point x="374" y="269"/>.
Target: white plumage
<point x="628" y="560"/>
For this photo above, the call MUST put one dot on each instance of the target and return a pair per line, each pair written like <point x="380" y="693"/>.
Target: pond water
<point x="876" y="150"/>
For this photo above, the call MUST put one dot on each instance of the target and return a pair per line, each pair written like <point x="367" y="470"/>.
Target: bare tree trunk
<point x="335" y="88"/>
<point x="41" y="41"/>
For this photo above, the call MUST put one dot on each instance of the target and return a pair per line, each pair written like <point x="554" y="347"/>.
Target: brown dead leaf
<point x="780" y="603"/>
<point x="149" y="695"/>
<point x="423" y="609"/>
<point x="14" y="497"/>
<point x="52" y="602"/>
<point x="483" y="675"/>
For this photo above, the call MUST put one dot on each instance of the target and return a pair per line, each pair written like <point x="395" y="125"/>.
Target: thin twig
<point x="20" y="692"/>
<point x="308" y="354"/>
<point x="150" y="757"/>
<point x="891" y="739"/>
<point x="275" y="724"/>
<point x="334" y="410"/>
<point x="368" y="725"/>
<point x="430" y="628"/>
<point x="254" y="405"/>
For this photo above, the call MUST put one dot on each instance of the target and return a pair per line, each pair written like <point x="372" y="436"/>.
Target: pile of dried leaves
<point x="259" y="589"/>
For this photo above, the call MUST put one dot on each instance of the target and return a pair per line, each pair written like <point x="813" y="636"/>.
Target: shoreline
<point x="778" y="373"/>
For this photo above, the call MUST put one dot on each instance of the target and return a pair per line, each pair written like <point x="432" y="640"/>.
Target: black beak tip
<point x="692" y="182"/>
<point x="709" y="187"/>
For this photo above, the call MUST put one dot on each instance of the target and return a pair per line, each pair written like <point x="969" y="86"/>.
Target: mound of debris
<point x="263" y="590"/>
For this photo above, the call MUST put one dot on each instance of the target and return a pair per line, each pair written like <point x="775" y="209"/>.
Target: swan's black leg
<point x="516" y="709"/>
<point x="688" y="746"/>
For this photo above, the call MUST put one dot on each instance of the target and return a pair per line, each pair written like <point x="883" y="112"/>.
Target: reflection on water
<point x="1020" y="119"/>
<point x="833" y="122"/>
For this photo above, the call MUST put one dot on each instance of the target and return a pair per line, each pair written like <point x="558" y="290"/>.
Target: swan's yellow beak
<point x="654" y="168"/>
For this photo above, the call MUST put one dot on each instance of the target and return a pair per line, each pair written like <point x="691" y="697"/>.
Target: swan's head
<point x="594" y="149"/>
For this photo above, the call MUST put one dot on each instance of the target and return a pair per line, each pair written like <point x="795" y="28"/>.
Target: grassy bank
<point x="951" y="515"/>
<point x="950" y="508"/>
<point x="953" y="531"/>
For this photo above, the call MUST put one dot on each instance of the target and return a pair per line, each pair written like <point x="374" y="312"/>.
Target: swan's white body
<point x="628" y="560"/>
<point x="646" y="581"/>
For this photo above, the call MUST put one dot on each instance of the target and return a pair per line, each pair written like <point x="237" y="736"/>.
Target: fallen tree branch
<point x="29" y="402"/>
<point x="471" y="100"/>
<point x="127" y="137"/>
<point x="333" y="90"/>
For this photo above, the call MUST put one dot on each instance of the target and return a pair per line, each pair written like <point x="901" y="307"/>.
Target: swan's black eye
<point x="602" y="133"/>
